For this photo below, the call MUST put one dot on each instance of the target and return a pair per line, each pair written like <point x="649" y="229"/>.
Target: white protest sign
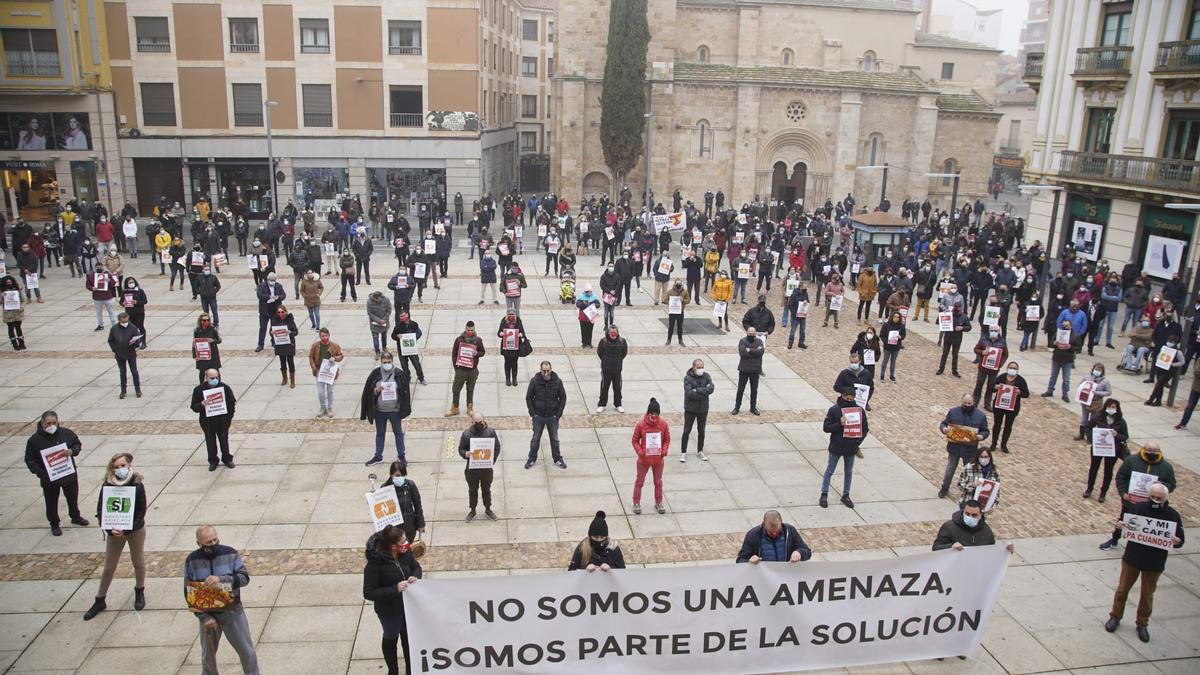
<point x="835" y="303"/>
<point x="387" y="391"/>
<point x="591" y="312"/>
<point x="945" y="322"/>
<point x="12" y="300"/>
<point x="280" y="336"/>
<point x="664" y="265"/>
<point x="214" y="402"/>
<point x="328" y="372"/>
<point x="408" y="344"/>
<point x="743" y="270"/>
<point x="1104" y="442"/>
<point x="1033" y="312"/>
<point x="868" y="357"/>
<point x="482" y="453"/>
<point x="385" y="507"/>
<point x="675" y="304"/>
<point x="419" y="270"/>
<point x="862" y="394"/>
<point x="1153" y="532"/>
<point x="653" y="444"/>
<point x="1139" y="486"/>
<point x="117" y="503"/>
<point x="719" y="308"/>
<point x="764" y="618"/>
<point x="1166" y="357"/>
<point x="991" y="315"/>
<point x="1085" y="392"/>
<point x="31" y="282"/>
<point x="57" y="462"/>
<point x="986" y="493"/>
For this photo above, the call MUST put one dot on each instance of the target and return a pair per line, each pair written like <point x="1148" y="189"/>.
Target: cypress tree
<point x="623" y="99"/>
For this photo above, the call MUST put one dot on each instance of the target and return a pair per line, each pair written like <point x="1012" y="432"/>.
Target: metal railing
<point x="313" y="49"/>
<point x="246" y="48"/>
<point x="1149" y="172"/>
<point x="404" y="50"/>
<point x="1034" y="62"/>
<point x="247" y="118"/>
<point x="407" y="120"/>
<point x="318" y="119"/>
<point x="1103" y="60"/>
<point x="1175" y="57"/>
<point x="159" y="45"/>
<point x="34" y="69"/>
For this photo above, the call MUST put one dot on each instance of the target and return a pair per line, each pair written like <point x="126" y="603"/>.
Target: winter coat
<point x="139" y="502"/>
<point x="546" y="397"/>
<point x="403" y="399"/>
<point x="839" y="444"/>
<point x="750" y="355"/>
<point x="601" y="555"/>
<point x="867" y="285"/>
<point x="198" y="402"/>
<point x="974" y="419"/>
<point x="379" y="313"/>
<point x="612" y="353"/>
<point x="487" y="270"/>
<point x="40" y="440"/>
<point x="314" y="357"/>
<point x="646" y="426"/>
<point x="696" y="391"/>
<point x="761" y="318"/>
<point x="722" y="289"/>
<point x="214" y="339"/>
<point x="382" y="574"/>
<point x="461" y="340"/>
<point x="792" y="542"/>
<point x="955" y="531"/>
<point x="1148" y="558"/>
<point x="123" y="340"/>
<point x="288" y="321"/>
<point x="311" y="290"/>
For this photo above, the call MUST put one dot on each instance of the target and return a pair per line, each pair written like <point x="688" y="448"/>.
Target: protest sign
<point x="1148" y="531"/>
<point x="465" y="358"/>
<point x="328" y="372"/>
<point x="991" y="315"/>
<point x="202" y="349"/>
<point x="1104" y="442"/>
<point x="57" y="462"/>
<point x="986" y="493"/>
<point x="868" y="357"/>
<point x="387" y="391"/>
<point x="852" y="426"/>
<point x="675" y="304"/>
<point x="1006" y="397"/>
<point x="719" y="308"/>
<point x="280" y="336"/>
<point x="1033" y="312"/>
<point x="1085" y="392"/>
<point x="770" y="617"/>
<point x="862" y="394"/>
<point x="835" y="303"/>
<point x="117" y="507"/>
<point x="482" y="453"/>
<point x="743" y="270"/>
<point x="12" y="300"/>
<point x="1139" y="486"/>
<point x="408" y="344"/>
<point x="385" y="507"/>
<point x="945" y="322"/>
<point x="214" y="402"/>
<point x="653" y="444"/>
<point x="1166" y="357"/>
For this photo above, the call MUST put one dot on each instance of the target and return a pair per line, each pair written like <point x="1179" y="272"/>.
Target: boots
<point x="452" y="411"/>
<point x="139" y="598"/>
<point x="291" y="379"/>
<point x="284" y="379"/>
<point x="1079" y="436"/>
<point x="97" y="607"/>
<point x="470" y="410"/>
<point x="390" y="657"/>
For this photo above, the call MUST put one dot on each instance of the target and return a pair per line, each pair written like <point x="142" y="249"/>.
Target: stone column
<point x="924" y="133"/>
<point x="745" y="151"/>
<point x="847" y="144"/>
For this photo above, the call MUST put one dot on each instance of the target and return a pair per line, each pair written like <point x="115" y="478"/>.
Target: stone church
<point x="784" y="99"/>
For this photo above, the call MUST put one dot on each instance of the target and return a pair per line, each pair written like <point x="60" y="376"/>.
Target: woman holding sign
<point x="973" y="477"/>
<point x="283" y="338"/>
<point x="651" y="440"/>
<point x="1108" y="432"/>
<point x="205" y="339"/>
<point x="121" y="510"/>
<point x="390" y="569"/>
<point x="833" y="299"/>
<point x="14" y="314"/>
<point x="50" y="455"/>
<point x="1090" y="395"/>
<point x="512" y="336"/>
<point x="1006" y="394"/>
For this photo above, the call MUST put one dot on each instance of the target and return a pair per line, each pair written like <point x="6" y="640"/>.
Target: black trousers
<point x="510" y="365"/>
<point x="416" y="362"/>
<point x="1002" y="424"/>
<point x="216" y="430"/>
<point x="610" y="379"/>
<point x="984" y="379"/>
<point x="699" y="419"/>
<point x="287" y="363"/>
<point x="625" y="286"/>
<point x="948" y="347"/>
<point x="1094" y="468"/>
<point x="362" y="267"/>
<point x="479" y="480"/>
<point x="585" y="333"/>
<point x="348" y="279"/>
<point x="675" y="325"/>
<point x="131" y="364"/>
<point x="70" y="490"/>
<point x="743" y="378"/>
<point x="693" y="287"/>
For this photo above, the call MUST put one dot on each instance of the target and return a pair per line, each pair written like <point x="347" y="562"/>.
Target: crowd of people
<point x="972" y="269"/>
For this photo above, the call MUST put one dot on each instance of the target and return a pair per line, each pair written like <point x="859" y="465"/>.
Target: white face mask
<point x="699" y="372"/>
<point x="1013" y="372"/>
<point x="51" y="428"/>
<point x="1097" y="372"/>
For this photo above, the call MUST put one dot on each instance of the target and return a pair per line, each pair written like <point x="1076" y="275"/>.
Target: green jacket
<point x="1134" y="462"/>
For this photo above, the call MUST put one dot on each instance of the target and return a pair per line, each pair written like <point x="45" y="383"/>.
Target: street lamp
<point x="1050" y="246"/>
<point x="883" y="189"/>
<point x="267" y="105"/>
<point x="649" y="149"/>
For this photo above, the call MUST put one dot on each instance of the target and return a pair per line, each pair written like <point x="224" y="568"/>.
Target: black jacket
<point x="761" y="318"/>
<point x="838" y="444"/>
<point x="288" y="320"/>
<point x="380" y="576"/>
<point x="849" y="378"/>
<point x="123" y="340"/>
<point x="40" y="440"/>
<point x="403" y="400"/>
<point x="1148" y="558"/>
<point x="750" y="355"/>
<point x="464" y="444"/>
<point x="752" y="543"/>
<point x="139" y="504"/>
<point x="696" y="391"/>
<point x="410" y="504"/>
<point x="612" y="353"/>
<point x="609" y="554"/>
<point x="198" y="401"/>
<point x="955" y="531"/>
<point x="546" y="397"/>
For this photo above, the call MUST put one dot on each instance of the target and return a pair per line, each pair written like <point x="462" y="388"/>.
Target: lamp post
<point x="1188" y="323"/>
<point x="649" y="150"/>
<point x="883" y="188"/>
<point x="267" y="105"/>
<point x="953" y="207"/>
<point x="1050" y="245"/>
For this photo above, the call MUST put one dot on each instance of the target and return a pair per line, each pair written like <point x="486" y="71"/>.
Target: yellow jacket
<point x="162" y="240"/>
<point x="711" y="260"/>
<point x="722" y="289"/>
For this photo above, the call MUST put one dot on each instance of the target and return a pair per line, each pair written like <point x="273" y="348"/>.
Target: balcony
<point x="243" y="48"/>
<point x="1177" y="62"/>
<point x="407" y="120"/>
<point x="159" y="45"/>
<point x="1034" y="62"/>
<point x="1154" y="173"/>
<point x="313" y="49"/>
<point x="404" y="50"/>
<point x="1103" y="65"/>
<point x="318" y="119"/>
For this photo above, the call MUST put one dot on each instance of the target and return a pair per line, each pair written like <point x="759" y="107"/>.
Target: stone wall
<point x="968" y="140"/>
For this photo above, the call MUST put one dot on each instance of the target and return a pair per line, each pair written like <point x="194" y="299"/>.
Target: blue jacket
<point x="225" y="563"/>
<point x="975" y="419"/>
<point x="487" y="270"/>
<point x="1111" y="297"/>
<point x="1078" y="319"/>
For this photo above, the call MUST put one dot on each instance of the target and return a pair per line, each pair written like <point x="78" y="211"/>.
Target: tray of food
<point x="202" y="597"/>
<point x="957" y="433"/>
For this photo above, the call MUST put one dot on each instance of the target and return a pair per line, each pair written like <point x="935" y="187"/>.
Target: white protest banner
<point x="328" y="372"/>
<point x="385" y="507"/>
<point x="986" y="493"/>
<point x="57" y="462"/>
<point x="802" y="310"/>
<point x="197" y="258"/>
<point x="202" y="349"/>
<point x="1139" y="486"/>
<point x="482" y="453"/>
<point x="1153" y="532"/>
<point x="671" y="222"/>
<point x="387" y="391"/>
<point x="945" y="322"/>
<point x="719" y="308"/>
<point x="1033" y="312"/>
<point x="862" y="394"/>
<point x="790" y="285"/>
<point x="164" y="256"/>
<point x="408" y="344"/>
<point x="675" y="304"/>
<point x="31" y="282"/>
<point x="765" y="618"/>
<point x="991" y="315"/>
<point x="835" y="303"/>
<point x="214" y="402"/>
<point x="252" y="262"/>
<point x="1104" y="442"/>
<point x="12" y="300"/>
<point x="117" y="506"/>
<point x="1166" y="357"/>
<point x="653" y="444"/>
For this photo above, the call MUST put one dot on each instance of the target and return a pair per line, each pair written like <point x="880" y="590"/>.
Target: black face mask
<point x="478" y="428"/>
<point x="209" y="551"/>
<point x="968" y="408"/>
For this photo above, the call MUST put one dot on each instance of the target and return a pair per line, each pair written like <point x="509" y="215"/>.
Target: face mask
<point x="51" y="428"/>
<point x="121" y="472"/>
<point x="1111" y="411"/>
<point x="612" y="336"/>
<point x="984" y="461"/>
<point x="398" y="480"/>
<point x="1145" y="324"/>
<point x="214" y="381"/>
<point x="1157" y="505"/>
<point x="970" y="521"/>
<point x="855" y="367"/>
<point x="324" y="339"/>
<point x="478" y="427"/>
<point x="1097" y="372"/>
<point x="994" y="334"/>
<point x="387" y="367"/>
<point x="1013" y="372"/>
<point x="209" y="551"/>
<point x="207" y="273"/>
<point x="968" y="408"/>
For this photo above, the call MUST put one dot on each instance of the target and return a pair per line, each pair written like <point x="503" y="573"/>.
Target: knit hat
<point x="653" y="408"/>
<point x="599" y="526"/>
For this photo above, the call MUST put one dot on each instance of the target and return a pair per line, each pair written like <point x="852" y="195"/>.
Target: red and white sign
<point x="986" y="493"/>
<point x="57" y="461"/>
<point x="1006" y="397"/>
<point x="852" y="422"/>
<point x="991" y="358"/>
<point x="465" y="357"/>
<point x="202" y="349"/>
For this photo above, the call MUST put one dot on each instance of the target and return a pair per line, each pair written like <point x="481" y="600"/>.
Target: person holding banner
<point x="846" y="424"/>
<point x="966" y="528"/>
<point x="1030" y="318"/>
<point x="385" y="398"/>
<point x="773" y="541"/>
<point x="513" y="283"/>
<point x="479" y="445"/>
<point x="346" y="265"/>
<point x="50" y="455"/>
<point x="115" y="504"/>
<point x="283" y="340"/>
<point x="512" y="339"/>
<point x="891" y="336"/>
<point x="270" y="295"/>
<point x="868" y="348"/>
<point x="596" y="551"/>
<point x="379" y="317"/>
<point x="964" y="426"/>
<point x="325" y="359"/>
<point x="1006" y="394"/>
<point x="407" y="335"/>
<point x="1144" y="559"/>
<point x="980" y="468"/>
<point x="1139" y="471"/>
<point x="858" y="378"/>
<point x="1090" y="395"/>
<point x="1166" y="368"/>
<point x="464" y="356"/>
<point x="991" y="352"/>
<point x="14" y="313"/>
<point x="205" y="351"/>
<point x="651" y="441"/>
<point x="1108" y="433"/>
<point x="390" y="569"/>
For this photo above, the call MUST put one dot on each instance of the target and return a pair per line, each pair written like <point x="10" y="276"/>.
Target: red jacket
<point x="646" y="426"/>
<point x="104" y="231"/>
<point x="562" y="207"/>
<point x="106" y="294"/>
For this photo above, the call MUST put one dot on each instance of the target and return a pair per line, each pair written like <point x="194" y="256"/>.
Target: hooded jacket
<point x="648" y="426"/>
<point x="955" y="531"/>
<point x="546" y="397"/>
<point x="379" y="313"/>
<point x="696" y="391"/>
<point x="838" y="444"/>
<point x="382" y="573"/>
<point x="761" y="317"/>
<point x="1161" y="469"/>
<point x="612" y="353"/>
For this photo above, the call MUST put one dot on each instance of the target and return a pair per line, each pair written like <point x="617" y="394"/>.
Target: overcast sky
<point x="1014" y="17"/>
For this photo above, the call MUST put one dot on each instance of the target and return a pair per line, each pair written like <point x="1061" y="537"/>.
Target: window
<point x="158" y="104"/>
<point x="314" y="36"/>
<point x="30" y="52"/>
<point x="404" y="37"/>
<point x="247" y="105"/>
<point x="947" y="71"/>
<point x="787" y="57"/>
<point x="868" y="61"/>
<point x="1193" y="22"/>
<point x="1117" y="19"/>
<point x="528" y="105"/>
<point x="243" y="35"/>
<point x="529" y="29"/>
<point x="408" y="107"/>
<point x="484" y="106"/>
<point x="549" y="66"/>
<point x="949" y="166"/>
<point x="495" y="56"/>
<point x="702" y="54"/>
<point x="1183" y="135"/>
<point x="549" y="31"/>
<point x="485" y="53"/>
<point x="528" y="141"/>
<point x="548" y="105"/>
<point x="1100" y="122"/>
<point x="528" y="66"/>
<point x="1014" y="133"/>
<point x="152" y="33"/>
<point x="318" y="105"/>
<point x="706" y="138"/>
<point x="874" y="150"/>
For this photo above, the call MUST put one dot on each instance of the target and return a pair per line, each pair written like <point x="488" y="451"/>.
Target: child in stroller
<point x="566" y="287"/>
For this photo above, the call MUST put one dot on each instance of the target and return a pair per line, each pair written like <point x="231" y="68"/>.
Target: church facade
<point x="783" y="99"/>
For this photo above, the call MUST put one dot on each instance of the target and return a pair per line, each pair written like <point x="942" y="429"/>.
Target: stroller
<point x="566" y="286"/>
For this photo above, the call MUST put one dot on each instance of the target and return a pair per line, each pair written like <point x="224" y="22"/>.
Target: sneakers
<point x="560" y="463"/>
<point x="683" y="459"/>
<point x="529" y="463"/>
<point x="662" y="509"/>
<point x="600" y="410"/>
<point x="321" y="412"/>
<point x="1108" y="544"/>
<point x="470" y="516"/>
<point x="374" y="460"/>
<point x="702" y="456"/>
<point x="637" y="509"/>
<point x="490" y="514"/>
<point x="620" y="409"/>
<point x="1047" y="394"/>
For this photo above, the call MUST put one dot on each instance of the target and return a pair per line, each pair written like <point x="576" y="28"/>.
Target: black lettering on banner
<point x="886" y="629"/>
<point x="786" y="637"/>
<point x="510" y="609"/>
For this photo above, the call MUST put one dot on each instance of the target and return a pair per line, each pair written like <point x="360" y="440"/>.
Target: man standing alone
<point x="545" y="398"/>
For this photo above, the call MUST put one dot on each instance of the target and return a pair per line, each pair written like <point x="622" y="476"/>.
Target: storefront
<point x="242" y="184"/>
<point x="407" y="185"/>
<point x="1164" y="241"/>
<point x="322" y="187"/>
<point x="30" y="188"/>
<point x="1086" y="222"/>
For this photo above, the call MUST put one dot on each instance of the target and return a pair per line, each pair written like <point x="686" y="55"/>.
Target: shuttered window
<point x="318" y="105"/>
<point x="247" y="105"/>
<point x="158" y="104"/>
<point x="152" y="34"/>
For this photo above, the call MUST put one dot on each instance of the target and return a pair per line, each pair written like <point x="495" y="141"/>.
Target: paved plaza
<point x="294" y="504"/>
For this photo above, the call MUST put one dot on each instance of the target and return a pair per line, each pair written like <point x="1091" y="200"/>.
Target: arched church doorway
<point x="788" y="186"/>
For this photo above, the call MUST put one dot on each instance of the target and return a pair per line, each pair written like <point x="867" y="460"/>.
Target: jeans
<point x="131" y="244"/>
<point x="847" y="477"/>
<point x="1131" y="316"/>
<point x="325" y="395"/>
<point x="699" y="419"/>
<point x="1135" y="357"/>
<point x="655" y="466"/>
<point x="209" y="306"/>
<point x="1029" y="337"/>
<point x="381" y="423"/>
<point x="232" y="623"/>
<point x="952" y="460"/>
<point x="888" y="363"/>
<point x="131" y="362"/>
<point x="314" y="316"/>
<point x="103" y="305"/>
<point x="739" y="290"/>
<point x="550" y="424"/>
<point x="379" y="342"/>
<point x="1065" y="369"/>
<point x="513" y="303"/>
<point x="1110" y="321"/>
<point x="797" y="326"/>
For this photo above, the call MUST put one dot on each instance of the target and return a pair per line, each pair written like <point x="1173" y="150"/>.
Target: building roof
<point x="880" y="5"/>
<point x="964" y="102"/>
<point x="937" y="41"/>
<point x="802" y="77"/>
<point x="1020" y="97"/>
<point x="539" y="4"/>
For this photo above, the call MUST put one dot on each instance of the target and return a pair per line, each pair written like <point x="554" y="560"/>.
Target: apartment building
<point x="536" y="102"/>
<point x="1118" y="128"/>
<point x="390" y="101"/>
<point x="57" y="138"/>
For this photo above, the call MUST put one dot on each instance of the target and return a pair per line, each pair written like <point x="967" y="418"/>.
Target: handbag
<point x="525" y="349"/>
<point x="419" y="548"/>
